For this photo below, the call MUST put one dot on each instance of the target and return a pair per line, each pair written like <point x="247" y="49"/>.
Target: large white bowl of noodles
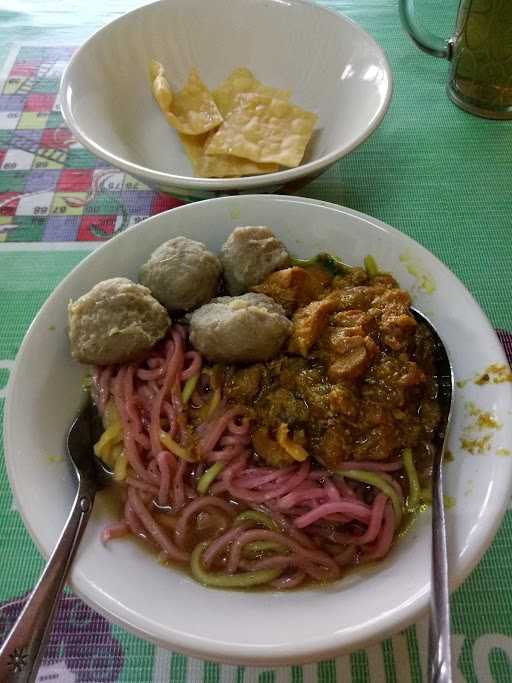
<point x="167" y="606"/>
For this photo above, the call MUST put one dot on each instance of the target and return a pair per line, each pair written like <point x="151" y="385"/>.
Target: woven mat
<point x="51" y="188"/>
<point x="53" y="191"/>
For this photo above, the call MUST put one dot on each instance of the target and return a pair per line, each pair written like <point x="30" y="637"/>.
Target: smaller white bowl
<point x="331" y="65"/>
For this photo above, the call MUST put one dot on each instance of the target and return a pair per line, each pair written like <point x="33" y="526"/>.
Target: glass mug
<point x="480" y="52"/>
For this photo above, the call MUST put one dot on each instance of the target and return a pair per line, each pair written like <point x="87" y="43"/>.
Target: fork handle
<point x="21" y="652"/>
<point x="439" y="635"/>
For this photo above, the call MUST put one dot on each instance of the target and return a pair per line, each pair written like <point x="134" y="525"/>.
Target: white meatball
<point x="115" y="322"/>
<point x="240" y="329"/>
<point x="250" y="254"/>
<point x="182" y="274"/>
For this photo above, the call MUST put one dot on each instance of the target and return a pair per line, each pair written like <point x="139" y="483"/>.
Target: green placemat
<point x="432" y="171"/>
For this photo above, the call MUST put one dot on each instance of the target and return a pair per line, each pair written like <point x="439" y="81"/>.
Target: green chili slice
<point x="259" y="517"/>
<point x="380" y="483"/>
<point x="218" y="580"/>
<point x="371" y="267"/>
<point x="332" y="264"/>
<point x="254" y="549"/>
<point x="413" y="498"/>
<point x="209" y="477"/>
<point x="189" y="387"/>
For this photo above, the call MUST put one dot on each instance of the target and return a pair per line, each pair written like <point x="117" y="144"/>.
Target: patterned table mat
<point x="53" y="190"/>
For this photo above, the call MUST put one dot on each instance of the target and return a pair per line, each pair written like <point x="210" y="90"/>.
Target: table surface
<point x="430" y="170"/>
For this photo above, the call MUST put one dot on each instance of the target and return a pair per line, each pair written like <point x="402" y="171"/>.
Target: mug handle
<point x="424" y="39"/>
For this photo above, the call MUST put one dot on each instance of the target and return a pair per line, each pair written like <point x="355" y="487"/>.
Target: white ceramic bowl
<point x="166" y="606"/>
<point x="332" y="66"/>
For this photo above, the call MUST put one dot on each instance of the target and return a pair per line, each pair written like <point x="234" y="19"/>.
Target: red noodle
<point x="322" y="519"/>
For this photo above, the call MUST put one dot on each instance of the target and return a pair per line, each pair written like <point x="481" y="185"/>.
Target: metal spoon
<point x="21" y="652"/>
<point x="440" y="663"/>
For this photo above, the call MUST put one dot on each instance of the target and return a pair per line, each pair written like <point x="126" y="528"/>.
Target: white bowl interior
<point x="127" y="584"/>
<point x="331" y="65"/>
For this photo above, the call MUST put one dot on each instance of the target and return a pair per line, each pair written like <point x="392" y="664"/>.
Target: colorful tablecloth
<point x="430" y="170"/>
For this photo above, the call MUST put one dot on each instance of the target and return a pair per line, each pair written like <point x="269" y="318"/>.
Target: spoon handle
<point x="21" y="652"/>
<point x="440" y="637"/>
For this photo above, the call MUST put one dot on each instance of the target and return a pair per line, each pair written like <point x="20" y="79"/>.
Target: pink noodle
<point x="218" y="488"/>
<point x="171" y="417"/>
<point x="236" y="465"/>
<point x="176" y="398"/>
<point x="153" y="467"/>
<point x="289" y="528"/>
<point x="355" y="509"/>
<point x="370" y="465"/>
<point x="332" y="492"/>
<point x="192" y="509"/>
<point x="252" y="479"/>
<point x="180" y="330"/>
<point x="384" y="540"/>
<point x="148" y="398"/>
<point x="220" y="543"/>
<point x="346" y="556"/>
<point x="117" y="530"/>
<point x="154" y="373"/>
<point x="165" y="461"/>
<point x="174" y="360"/>
<point x="290" y="483"/>
<point x="133" y="521"/>
<point x="272" y="562"/>
<point x="103" y="380"/>
<point x="344" y="488"/>
<point x="195" y="365"/>
<point x="308" y="495"/>
<point x="235" y="440"/>
<point x="338" y="537"/>
<point x="142" y="485"/>
<point x="376" y="519"/>
<point x="290" y="581"/>
<point x="179" y="486"/>
<point x="154" y="529"/>
<point x="224" y="455"/>
<point x="317" y="556"/>
<point x="145" y="396"/>
<point x="215" y="430"/>
<point x="130" y="447"/>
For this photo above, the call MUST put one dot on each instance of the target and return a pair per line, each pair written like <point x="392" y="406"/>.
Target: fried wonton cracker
<point x="242" y="81"/>
<point x="192" y="110"/>
<point x="264" y="129"/>
<point x="221" y="166"/>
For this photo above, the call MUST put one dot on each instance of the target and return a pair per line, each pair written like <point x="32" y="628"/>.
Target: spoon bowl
<point x="23" y="648"/>
<point x="439" y="633"/>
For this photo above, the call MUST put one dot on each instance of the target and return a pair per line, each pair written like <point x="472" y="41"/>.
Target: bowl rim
<point x="219" y="650"/>
<point x="222" y="184"/>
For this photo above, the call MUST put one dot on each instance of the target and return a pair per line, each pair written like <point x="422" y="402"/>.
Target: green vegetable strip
<point x="371" y="266"/>
<point x="259" y="517"/>
<point x="256" y="547"/>
<point x="331" y="264"/>
<point x="380" y="483"/>
<point x="217" y="580"/>
<point x="208" y="477"/>
<point x="302" y="262"/>
<point x="413" y="498"/>
<point x="189" y="387"/>
<point x="425" y="496"/>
